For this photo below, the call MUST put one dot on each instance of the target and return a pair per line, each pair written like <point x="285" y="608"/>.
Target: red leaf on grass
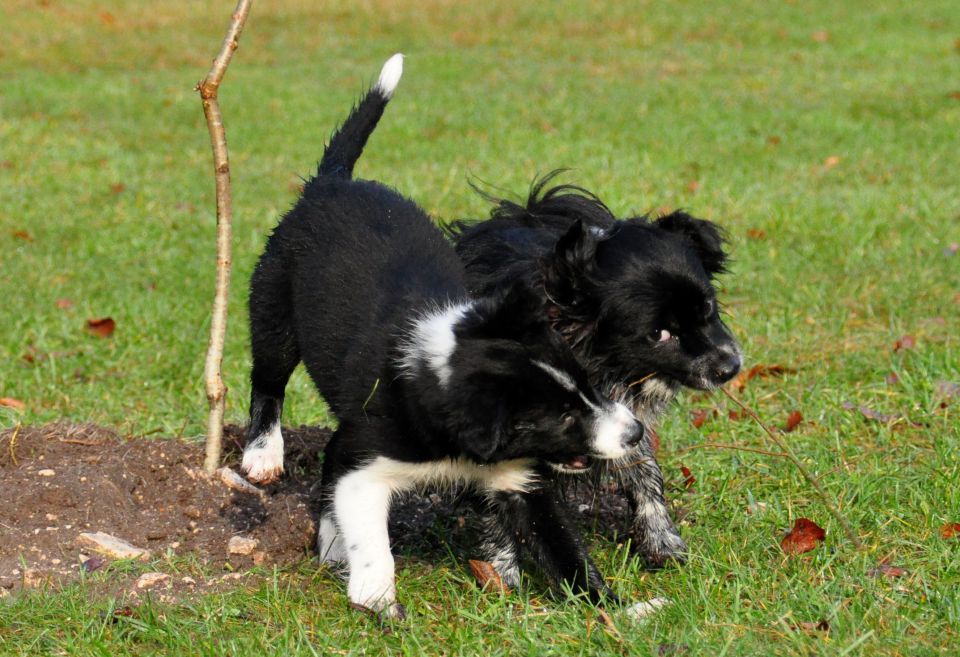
<point x="699" y="416"/>
<point x="756" y="233"/>
<point x="806" y="535"/>
<point x="884" y="569"/>
<point x="759" y="371"/>
<point x="118" y="188"/>
<point x="950" y="530"/>
<point x="10" y="402"/>
<point x="102" y="327"/>
<point x="812" y="626"/>
<point x="22" y="235"/>
<point x="905" y="342"/>
<point x="892" y="379"/>
<point x="487" y="577"/>
<point x="793" y="420"/>
<point x="689" y="480"/>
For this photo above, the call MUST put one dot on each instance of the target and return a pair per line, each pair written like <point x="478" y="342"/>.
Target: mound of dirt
<point x="63" y="480"/>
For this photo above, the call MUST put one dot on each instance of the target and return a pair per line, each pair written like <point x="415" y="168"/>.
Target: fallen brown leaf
<point x="487" y="577"/>
<point x="905" y="342"/>
<point x="884" y="569"/>
<point x="739" y="382"/>
<point x="806" y="535"/>
<point x="103" y="327"/>
<point x="10" y="402"/>
<point x="699" y="416"/>
<point x="689" y="480"/>
<point x="812" y="626"/>
<point x="793" y="420"/>
<point x="22" y="235"/>
<point x="756" y="233"/>
<point x="950" y="530"/>
<point x="117" y="188"/>
<point x="831" y="162"/>
<point x="774" y="140"/>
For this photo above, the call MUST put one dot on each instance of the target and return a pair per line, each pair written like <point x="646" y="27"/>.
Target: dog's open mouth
<point x="574" y="465"/>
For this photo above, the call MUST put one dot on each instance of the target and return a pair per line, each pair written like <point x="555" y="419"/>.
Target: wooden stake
<point x="216" y="390"/>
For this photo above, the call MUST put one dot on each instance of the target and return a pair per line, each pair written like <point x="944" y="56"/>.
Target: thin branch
<point x="738" y="448"/>
<point x="215" y="388"/>
<point x="851" y="534"/>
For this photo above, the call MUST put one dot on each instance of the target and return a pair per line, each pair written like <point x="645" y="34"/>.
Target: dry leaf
<point x="831" y="161"/>
<point x="10" y="402"/>
<point x="693" y="186"/>
<point x="102" y="327"/>
<point x="793" y="420"/>
<point x="756" y="233"/>
<point x="739" y="382"/>
<point x="689" y="480"/>
<point x="806" y="535"/>
<point x="905" y="342"/>
<point x="487" y="576"/>
<point x="812" y="626"/>
<point x="892" y="379"/>
<point x="774" y="140"/>
<point x="950" y="530"/>
<point x="884" y="569"/>
<point x="64" y="304"/>
<point x="22" y="235"/>
<point x="699" y="416"/>
<point x="117" y="188"/>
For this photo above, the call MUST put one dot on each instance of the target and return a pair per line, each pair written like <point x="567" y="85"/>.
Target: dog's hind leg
<point x="275" y="355"/>
<point x="653" y="535"/>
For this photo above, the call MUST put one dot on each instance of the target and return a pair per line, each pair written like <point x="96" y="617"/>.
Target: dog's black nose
<point x="634" y="433"/>
<point x="727" y="367"/>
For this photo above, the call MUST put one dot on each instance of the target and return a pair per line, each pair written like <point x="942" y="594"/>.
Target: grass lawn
<point x="822" y="135"/>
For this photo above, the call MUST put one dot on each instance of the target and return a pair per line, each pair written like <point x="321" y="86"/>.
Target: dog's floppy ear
<point x="480" y="425"/>
<point x="568" y="275"/>
<point x="705" y="236"/>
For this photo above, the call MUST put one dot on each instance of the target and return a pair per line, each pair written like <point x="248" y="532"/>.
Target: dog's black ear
<point x="568" y="275"/>
<point x="705" y="236"/>
<point x="480" y="425"/>
<point x="512" y="313"/>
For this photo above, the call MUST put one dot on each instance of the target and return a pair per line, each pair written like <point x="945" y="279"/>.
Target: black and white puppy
<point x="429" y="385"/>
<point x="635" y="298"/>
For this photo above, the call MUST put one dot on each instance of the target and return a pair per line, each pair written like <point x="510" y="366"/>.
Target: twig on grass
<point x="738" y="448"/>
<point x="851" y="534"/>
<point x="215" y="388"/>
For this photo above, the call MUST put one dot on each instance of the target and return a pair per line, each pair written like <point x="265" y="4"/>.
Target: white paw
<point x="263" y="457"/>
<point x="642" y="610"/>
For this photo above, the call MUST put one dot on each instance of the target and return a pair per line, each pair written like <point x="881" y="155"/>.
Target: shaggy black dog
<point x="636" y="301"/>
<point x="429" y="385"/>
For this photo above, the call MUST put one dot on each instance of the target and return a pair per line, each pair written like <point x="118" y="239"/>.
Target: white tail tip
<point x="390" y="76"/>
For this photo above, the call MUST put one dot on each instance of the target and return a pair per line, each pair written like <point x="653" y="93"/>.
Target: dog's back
<point x="354" y="258"/>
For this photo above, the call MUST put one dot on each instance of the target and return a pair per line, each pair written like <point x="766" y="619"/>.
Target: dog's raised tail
<point x="347" y="143"/>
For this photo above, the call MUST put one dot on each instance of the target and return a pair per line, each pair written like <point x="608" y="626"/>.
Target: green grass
<point x="746" y="100"/>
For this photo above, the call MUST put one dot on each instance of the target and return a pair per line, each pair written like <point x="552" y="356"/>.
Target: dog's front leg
<point x="539" y="522"/>
<point x="653" y="535"/>
<point x="361" y="504"/>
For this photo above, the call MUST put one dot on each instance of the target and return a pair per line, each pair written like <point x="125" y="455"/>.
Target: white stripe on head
<point x="390" y="76"/>
<point x="431" y="342"/>
<point x="565" y="380"/>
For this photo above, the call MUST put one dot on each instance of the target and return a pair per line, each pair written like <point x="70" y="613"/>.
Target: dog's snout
<point x="633" y="434"/>
<point x="726" y="367"/>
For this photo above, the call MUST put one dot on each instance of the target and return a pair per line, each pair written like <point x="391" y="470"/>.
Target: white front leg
<point x="361" y="502"/>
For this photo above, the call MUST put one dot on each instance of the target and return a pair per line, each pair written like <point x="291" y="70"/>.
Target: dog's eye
<point x="567" y="420"/>
<point x="661" y="335"/>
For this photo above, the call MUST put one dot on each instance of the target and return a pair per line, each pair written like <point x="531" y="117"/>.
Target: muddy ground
<point x="61" y="480"/>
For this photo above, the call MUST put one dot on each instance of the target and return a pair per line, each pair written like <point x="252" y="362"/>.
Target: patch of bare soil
<point x="63" y="480"/>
